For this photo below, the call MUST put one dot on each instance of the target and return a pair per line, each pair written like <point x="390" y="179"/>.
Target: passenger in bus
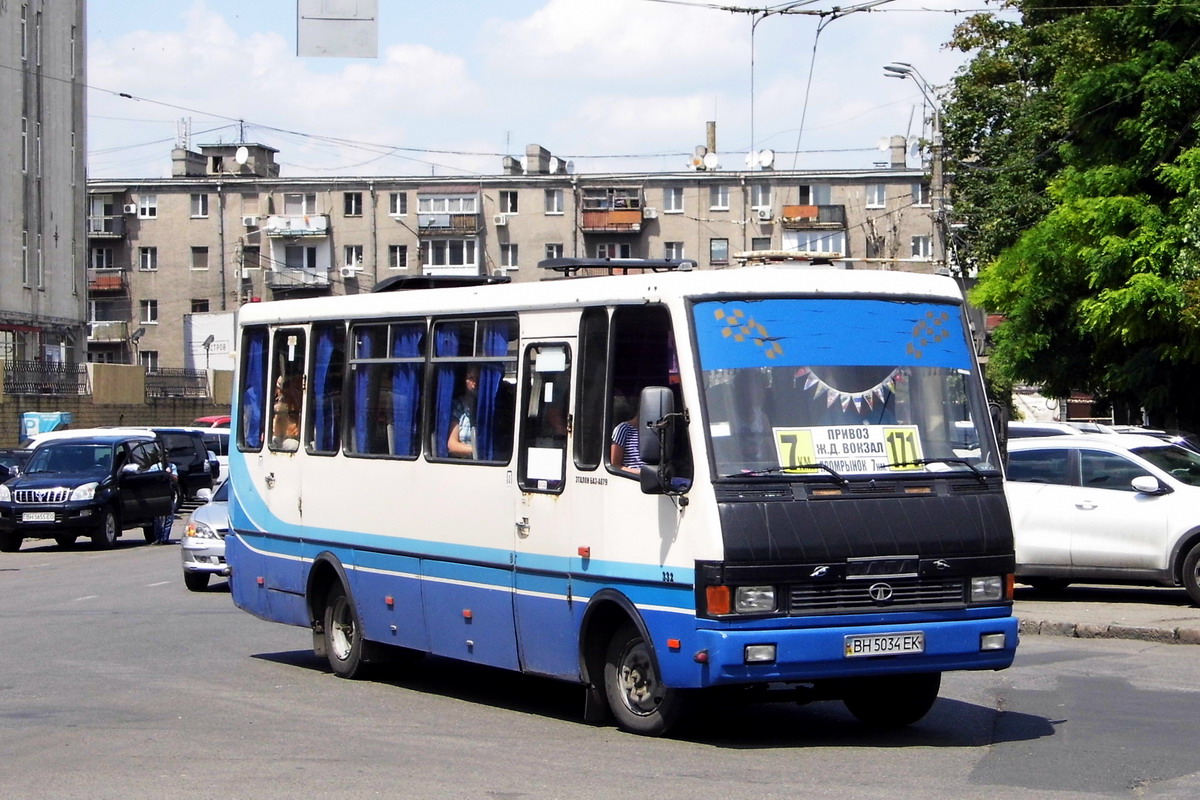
<point x="624" y="452"/>
<point x="285" y="424"/>
<point x="461" y="443"/>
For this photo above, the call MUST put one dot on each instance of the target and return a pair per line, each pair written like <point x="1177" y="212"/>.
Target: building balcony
<point x="290" y="279"/>
<point x="106" y="227"/>
<point x="448" y="224"/>
<point x="108" y="331"/>
<point x="813" y="217"/>
<point x="294" y="226"/>
<point x="106" y="281"/>
<point x="623" y="220"/>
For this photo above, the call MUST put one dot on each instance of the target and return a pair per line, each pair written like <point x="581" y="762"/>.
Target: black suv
<point x="93" y="486"/>
<point x="186" y="449"/>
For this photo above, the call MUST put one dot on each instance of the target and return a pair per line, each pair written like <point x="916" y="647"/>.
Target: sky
<point x="610" y="85"/>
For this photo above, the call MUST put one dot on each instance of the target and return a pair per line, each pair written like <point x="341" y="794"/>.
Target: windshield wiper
<point x="758" y="473"/>
<point x="919" y="462"/>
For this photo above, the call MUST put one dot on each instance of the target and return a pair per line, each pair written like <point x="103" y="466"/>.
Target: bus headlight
<point x="989" y="589"/>
<point x="754" y="599"/>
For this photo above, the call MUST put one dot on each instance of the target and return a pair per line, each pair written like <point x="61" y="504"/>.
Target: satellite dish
<point x="914" y="146"/>
<point x="242" y="155"/>
<point x="524" y="164"/>
<point x="883" y="144"/>
<point x="766" y="158"/>
<point x="554" y="164"/>
<point x="570" y="167"/>
<point x="711" y="161"/>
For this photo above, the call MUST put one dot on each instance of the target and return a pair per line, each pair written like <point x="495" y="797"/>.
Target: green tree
<point x="1075" y="135"/>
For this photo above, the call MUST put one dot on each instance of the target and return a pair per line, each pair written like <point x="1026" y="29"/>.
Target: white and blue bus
<point x="815" y="500"/>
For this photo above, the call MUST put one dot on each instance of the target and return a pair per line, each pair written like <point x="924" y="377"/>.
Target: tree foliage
<point x="1074" y="137"/>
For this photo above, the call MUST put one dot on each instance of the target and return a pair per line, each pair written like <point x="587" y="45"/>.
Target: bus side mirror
<point x="657" y="431"/>
<point x="999" y="414"/>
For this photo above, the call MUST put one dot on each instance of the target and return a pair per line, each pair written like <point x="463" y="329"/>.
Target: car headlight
<point x="198" y="530"/>
<point x="85" y="492"/>
<point x="5" y="494"/>
<point x="754" y="599"/>
<point x="989" y="589"/>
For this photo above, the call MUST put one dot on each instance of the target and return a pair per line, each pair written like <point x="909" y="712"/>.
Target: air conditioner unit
<point x="765" y="215"/>
<point x="500" y="220"/>
<point x="131" y="208"/>
<point x="250" y="221"/>
<point x="245" y="273"/>
<point x="649" y="213"/>
<point x="350" y="272"/>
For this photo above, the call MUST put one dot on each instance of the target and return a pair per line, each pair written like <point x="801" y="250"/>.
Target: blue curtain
<point x="324" y="440"/>
<point x="255" y="388"/>
<point x="445" y="344"/>
<point x="495" y="343"/>
<point x="362" y="387"/>
<point x="406" y="390"/>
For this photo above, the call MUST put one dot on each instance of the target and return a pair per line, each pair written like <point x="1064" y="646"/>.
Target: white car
<point x="202" y="546"/>
<point x="1105" y="509"/>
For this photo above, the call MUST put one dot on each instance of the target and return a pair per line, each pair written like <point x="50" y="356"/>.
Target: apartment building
<point x="226" y="229"/>
<point x="43" y="243"/>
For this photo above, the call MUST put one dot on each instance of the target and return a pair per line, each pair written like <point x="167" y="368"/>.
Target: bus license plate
<point x="37" y="516"/>
<point x="885" y="644"/>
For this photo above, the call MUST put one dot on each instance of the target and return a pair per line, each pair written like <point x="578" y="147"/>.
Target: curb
<point x="1089" y="630"/>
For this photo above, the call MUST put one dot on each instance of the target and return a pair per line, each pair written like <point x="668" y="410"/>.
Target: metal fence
<point x="45" y="377"/>
<point x="177" y="383"/>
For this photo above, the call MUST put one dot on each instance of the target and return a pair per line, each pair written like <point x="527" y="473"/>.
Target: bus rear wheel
<point x="892" y="701"/>
<point x="635" y="691"/>
<point x="344" y="645"/>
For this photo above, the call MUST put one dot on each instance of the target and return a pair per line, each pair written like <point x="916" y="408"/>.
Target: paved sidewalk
<point x="1110" y="612"/>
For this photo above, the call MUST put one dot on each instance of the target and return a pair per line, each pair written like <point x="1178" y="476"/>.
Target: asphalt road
<point x="116" y="682"/>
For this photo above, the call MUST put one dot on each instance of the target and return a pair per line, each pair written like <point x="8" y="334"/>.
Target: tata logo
<point x="880" y="592"/>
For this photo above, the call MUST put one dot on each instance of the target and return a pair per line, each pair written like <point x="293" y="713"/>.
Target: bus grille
<point x="58" y="494"/>
<point x="851" y="596"/>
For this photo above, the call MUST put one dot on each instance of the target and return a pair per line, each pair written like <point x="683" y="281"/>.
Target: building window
<point x="718" y="198"/>
<point x="673" y="199"/>
<point x="25" y="258"/>
<point x="199" y="205"/>
<point x="760" y="196"/>
<point x="397" y="256"/>
<point x="508" y="256"/>
<point x="24" y="33"/>
<point x="760" y="243"/>
<point x="199" y="258"/>
<point x="614" y="250"/>
<point x="672" y="249"/>
<point x="251" y="257"/>
<point x="920" y="194"/>
<point x="822" y="194"/>
<point x="554" y="201"/>
<point x="149" y="359"/>
<point x="921" y="248"/>
<point x="199" y="305"/>
<point x="397" y="204"/>
<point x="102" y="258"/>
<point x="148" y="259"/>
<point x="450" y="253"/>
<point x="718" y="251"/>
<point x="296" y="205"/>
<point x="829" y="242"/>
<point x="876" y="195"/>
<point x="447" y="204"/>
<point x="352" y="204"/>
<point x="148" y="206"/>
<point x="554" y="250"/>
<point x="149" y="312"/>
<point x="24" y="144"/>
<point x="353" y="254"/>
<point x="296" y="257"/>
<point x="508" y="202"/>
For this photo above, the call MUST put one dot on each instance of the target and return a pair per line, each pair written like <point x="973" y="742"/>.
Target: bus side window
<point x="252" y="413"/>
<point x="325" y="399"/>
<point x="287" y="405"/>
<point x="474" y="369"/>
<point x="544" y="423"/>
<point x="589" y="429"/>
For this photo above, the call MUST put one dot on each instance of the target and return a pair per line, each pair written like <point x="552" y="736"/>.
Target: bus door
<point x="542" y="588"/>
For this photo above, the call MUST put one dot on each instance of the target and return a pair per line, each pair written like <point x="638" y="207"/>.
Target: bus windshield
<point x="840" y="388"/>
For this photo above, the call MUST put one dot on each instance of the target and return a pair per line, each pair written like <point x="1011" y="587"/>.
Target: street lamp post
<point x="937" y="186"/>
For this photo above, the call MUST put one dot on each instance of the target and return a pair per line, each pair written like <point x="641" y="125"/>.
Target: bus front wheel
<point x="344" y="646"/>
<point x="892" y="701"/>
<point x="636" y="694"/>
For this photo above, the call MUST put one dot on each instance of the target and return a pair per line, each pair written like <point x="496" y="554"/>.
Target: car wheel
<point x="892" y="701"/>
<point x="195" y="581"/>
<point x="10" y="542"/>
<point x="1191" y="574"/>
<point x="1047" y="585"/>
<point x="344" y="645"/>
<point x="65" y="540"/>
<point x="636" y="694"/>
<point x="107" y="531"/>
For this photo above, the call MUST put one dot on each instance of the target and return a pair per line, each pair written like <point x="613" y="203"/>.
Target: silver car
<point x="202" y="546"/>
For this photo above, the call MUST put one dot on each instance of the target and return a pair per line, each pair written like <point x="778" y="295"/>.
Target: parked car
<point x="202" y="547"/>
<point x="185" y="447"/>
<point x="218" y="421"/>
<point x="217" y="442"/>
<point x="1105" y="508"/>
<point x="12" y="461"/>
<point x="1029" y="430"/>
<point x="96" y="485"/>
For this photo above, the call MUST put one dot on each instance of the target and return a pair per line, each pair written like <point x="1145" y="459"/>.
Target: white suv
<point x="1104" y="508"/>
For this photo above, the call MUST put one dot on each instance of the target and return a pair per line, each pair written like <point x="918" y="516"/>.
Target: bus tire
<point x="344" y="645"/>
<point x="892" y="701"/>
<point x="635" y="691"/>
<point x="106" y="533"/>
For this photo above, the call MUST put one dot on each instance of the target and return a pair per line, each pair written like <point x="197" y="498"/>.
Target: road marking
<point x="87" y="597"/>
<point x="160" y="583"/>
